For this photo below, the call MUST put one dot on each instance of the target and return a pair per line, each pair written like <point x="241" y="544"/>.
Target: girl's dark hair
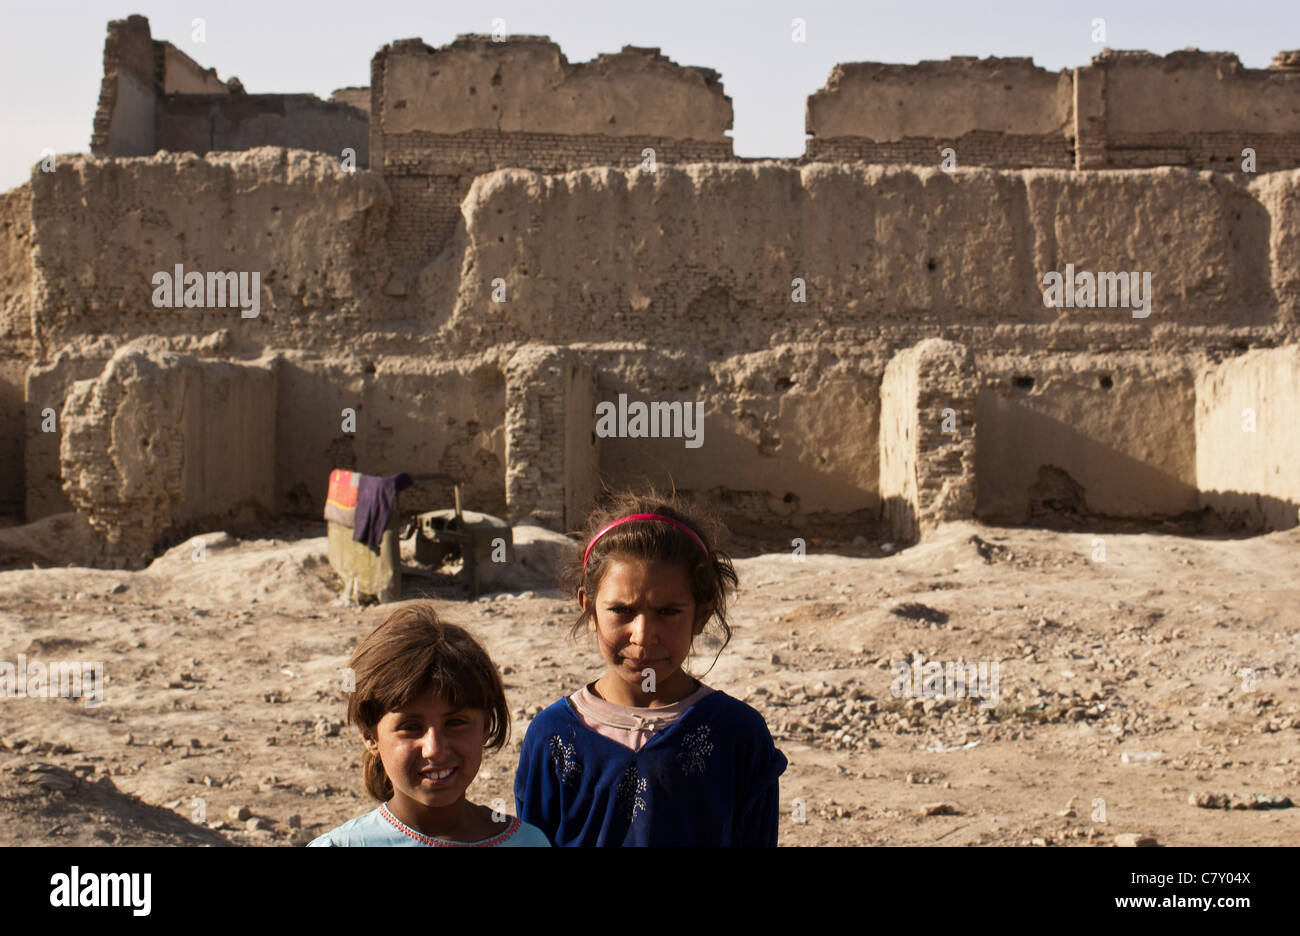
<point x="712" y="577"/>
<point x="406" y="656"/>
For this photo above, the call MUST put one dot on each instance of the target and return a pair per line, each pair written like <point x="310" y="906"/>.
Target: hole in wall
<point x="789" y="497"/>
<point x="370" y="367"/>
<point x="1024" y="383"/>
<point x="931" y="264"/>
<point x="784" y="383"/>
<point x="1105" y="382"/>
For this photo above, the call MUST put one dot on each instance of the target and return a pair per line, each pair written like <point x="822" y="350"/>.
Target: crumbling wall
<point x="159" y="442"/>
<point x="439" y="117"/>
<point x="203" y="123"/>
<point x="311" y="231"/>
<point x="416" y="414"/>
<point x="684" y="257"/>
<point x="788" y="438"/>
<point x="182" y="75"/>
<point x="536" y="420"/>
<point x="153" y="96"/>
<point x="1187" y="108"/>
<point x="124" y="119"/>
<point x="355" y="97"/>
<point x="992" y="112"/>
<point x="1118" y="425"/>
<point x="525" y="84"/>
<point x="1278" y="194"/>
<point x="16" y="350"/>
<point x="581" y="446"/>
<point x="1248" y="437"/>
<point x="927" y="438"/>
<point x="1127" y="109"/>
<point x="669" y="286"/>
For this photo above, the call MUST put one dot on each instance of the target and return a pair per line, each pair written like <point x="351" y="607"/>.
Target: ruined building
<point x="448" y="271"/>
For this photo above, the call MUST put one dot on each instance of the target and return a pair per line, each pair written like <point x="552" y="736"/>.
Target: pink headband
<point x="630" y="517"/>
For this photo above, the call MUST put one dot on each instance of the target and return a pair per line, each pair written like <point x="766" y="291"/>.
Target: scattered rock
<point x="938" y="809"/>
<point x="256" y="824"/>
<point x="295" y="822"/>
<point x="1208" y="800"/>
<point x="1133" y="840"/>
<point x="239" y="813"/>
<point x="1142" y="757"/>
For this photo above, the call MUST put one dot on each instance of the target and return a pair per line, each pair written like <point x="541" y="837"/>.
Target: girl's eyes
<point x="459" y="722"/>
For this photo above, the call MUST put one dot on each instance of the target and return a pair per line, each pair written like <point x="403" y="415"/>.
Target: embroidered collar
<point x="629" y="718"/>
<point x="423" y="839"/>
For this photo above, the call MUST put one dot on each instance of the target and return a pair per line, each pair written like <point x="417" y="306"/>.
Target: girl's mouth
<point x="437" y="776"/>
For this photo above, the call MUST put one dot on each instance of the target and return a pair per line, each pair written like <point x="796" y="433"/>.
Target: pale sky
<point x="51" y="52"/>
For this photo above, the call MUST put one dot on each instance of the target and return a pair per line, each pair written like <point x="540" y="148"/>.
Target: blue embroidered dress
<point x="711" y="778"/>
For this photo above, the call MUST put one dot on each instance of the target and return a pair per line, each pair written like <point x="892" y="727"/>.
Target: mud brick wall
<point x="1126" y="110"/>
<point x="177" y="73"/>
<point x="432" y="173"/>
<point x="1188" y="108"/>
<point x="313" y="233"/>
<point x="417" y="414"/>
<point x="536" y="419"/>
<point x="202" y="123"/>
<point x="975" y="148"/>
<point x="440" y="117"/>
<point x="581" y="445"/>
<point x="161" y="441"/>
<point x="16" y="345"/>
<point x="124" y="117"/>
<point x="1248" y="437"/>
<point x="1003" y="112"/>
<point x="1119" y="425"/>
<point x="927" y="438"/>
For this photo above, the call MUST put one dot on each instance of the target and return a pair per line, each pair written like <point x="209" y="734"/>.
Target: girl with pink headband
<point x="647" y="754"/>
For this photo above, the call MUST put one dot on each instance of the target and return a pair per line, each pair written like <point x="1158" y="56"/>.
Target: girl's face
<point x="645" y="619"/>
<point x="430" y="751"/>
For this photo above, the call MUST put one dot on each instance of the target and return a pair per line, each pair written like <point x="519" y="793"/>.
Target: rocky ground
<point x="1126" y="686"/>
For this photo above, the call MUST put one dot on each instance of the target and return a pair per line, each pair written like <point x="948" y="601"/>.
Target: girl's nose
<point x="641" y="629"/>
<point x="431" y="743"/>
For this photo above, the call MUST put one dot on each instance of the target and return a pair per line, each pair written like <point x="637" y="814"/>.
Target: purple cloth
<point x="376" y="498"/>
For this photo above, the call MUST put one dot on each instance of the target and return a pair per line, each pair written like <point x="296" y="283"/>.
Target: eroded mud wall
<point x="1248" y="437"/>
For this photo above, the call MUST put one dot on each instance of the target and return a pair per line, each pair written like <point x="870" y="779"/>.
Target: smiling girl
<point x="427" y="702"/>
<point x="647" y="754"/>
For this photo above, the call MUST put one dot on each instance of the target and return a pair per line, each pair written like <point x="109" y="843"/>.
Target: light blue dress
<point x="380" y="827"/>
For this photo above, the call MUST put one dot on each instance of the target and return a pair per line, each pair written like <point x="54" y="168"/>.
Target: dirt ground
<point x="224" y="692"/>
